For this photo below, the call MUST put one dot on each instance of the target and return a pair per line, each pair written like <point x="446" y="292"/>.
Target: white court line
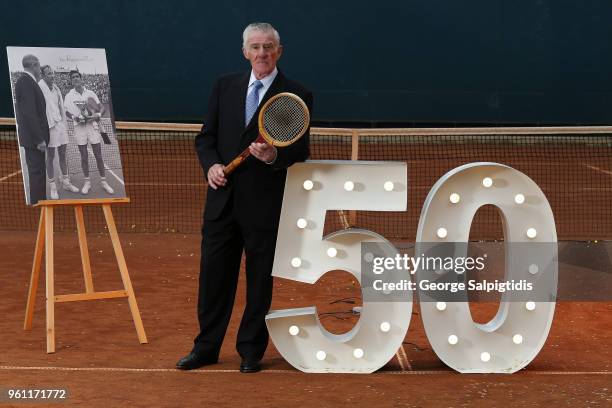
<point x="113" y="173"/>
<point x="514" y="162"/>
<point x="598" y="169"/>
<point x="264" y="371"/>
<point x="10" y="175"/>
<point x="90" y="150"/>
<point x="399" y="360"/>
<point x="428" y="187"/>
<point x="154" y="184"/>
<point x="403" y="359"/>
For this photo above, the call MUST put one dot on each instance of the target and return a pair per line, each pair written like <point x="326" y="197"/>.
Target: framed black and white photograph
<point x="65" y="123"/>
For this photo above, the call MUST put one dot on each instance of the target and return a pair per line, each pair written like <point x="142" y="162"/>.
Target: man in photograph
<point x="58" y="132"/>
<point x="32" y="128"/>
<point x="242" y="211"/>
<point x="78" y="103"/>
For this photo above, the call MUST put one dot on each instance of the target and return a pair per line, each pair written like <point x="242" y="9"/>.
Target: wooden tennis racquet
<point x="282" y="120"/>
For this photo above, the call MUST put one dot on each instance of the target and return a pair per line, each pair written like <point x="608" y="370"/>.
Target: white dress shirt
<point x="55" y="105"/>
<point x="265" y="81"/>
<point x="74" y="98"/>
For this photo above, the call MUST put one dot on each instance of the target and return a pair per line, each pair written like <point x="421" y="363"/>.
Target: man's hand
<point x="42" y="146"/>
<point x="263" y="151"/>
<point x="216" y="176"/>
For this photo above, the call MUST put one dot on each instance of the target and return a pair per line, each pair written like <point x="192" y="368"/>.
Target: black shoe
<point x="193" y="360"/>
<point x="249" y="365"/>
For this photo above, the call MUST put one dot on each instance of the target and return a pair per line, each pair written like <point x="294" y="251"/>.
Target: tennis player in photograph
<point x="58" y="131"/>
<point x="242" y="210"/>
<point x="86" y="128"/>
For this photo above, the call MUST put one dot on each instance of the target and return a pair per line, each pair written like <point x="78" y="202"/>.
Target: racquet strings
<point x="285" y="119"/>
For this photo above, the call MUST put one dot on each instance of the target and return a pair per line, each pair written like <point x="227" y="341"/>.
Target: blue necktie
<point x="251" y="102"/>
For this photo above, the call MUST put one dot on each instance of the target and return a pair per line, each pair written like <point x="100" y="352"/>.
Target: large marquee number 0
<point x="506" y="344"/>
<point x="518" y="331"/>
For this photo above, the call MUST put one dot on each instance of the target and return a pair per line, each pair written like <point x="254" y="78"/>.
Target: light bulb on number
<point x="442" y="232"/>
<point x="302" y="223"/>
<point x="308" y="185"/>
<point x="531" y="233"/>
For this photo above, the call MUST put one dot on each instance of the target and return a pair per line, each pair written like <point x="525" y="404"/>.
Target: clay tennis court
<point x="101" y="363"/>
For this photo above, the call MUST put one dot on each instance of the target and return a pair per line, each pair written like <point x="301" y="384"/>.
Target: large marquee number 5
<point x="304" y="255"/>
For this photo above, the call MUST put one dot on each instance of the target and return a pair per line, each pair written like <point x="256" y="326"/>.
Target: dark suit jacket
<point x="257" y="187"/>
<point x="30" y="112"/>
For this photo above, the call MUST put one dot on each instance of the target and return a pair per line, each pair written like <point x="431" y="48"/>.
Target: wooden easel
<point x="44" y="240"/>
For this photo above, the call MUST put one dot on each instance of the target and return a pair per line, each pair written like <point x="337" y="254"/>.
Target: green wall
<point x="408" y="62"/>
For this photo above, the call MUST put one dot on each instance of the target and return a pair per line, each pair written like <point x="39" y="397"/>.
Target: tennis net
<point x="573" y="166"/>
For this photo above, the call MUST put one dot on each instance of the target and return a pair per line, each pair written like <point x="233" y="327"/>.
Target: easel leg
<point x="125" y="277"/>
<point x="80" y="222"/>
<point x="38" y="252"/>
<point x="50" y="302"/>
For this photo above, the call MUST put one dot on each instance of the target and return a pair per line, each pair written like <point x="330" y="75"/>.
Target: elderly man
<point x="58" y="131"/>
<point x="86" y="128"/>
<point x="32" y="129"/>
<point x="242" y="211"/>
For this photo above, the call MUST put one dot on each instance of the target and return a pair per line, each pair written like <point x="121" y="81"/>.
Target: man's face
<point x="263" y="52"/>
<point x="48" y="75"/>
<point x="76" y="80"/>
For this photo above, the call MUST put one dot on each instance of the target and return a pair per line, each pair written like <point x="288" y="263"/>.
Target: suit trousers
<point x="35" y="160"/>
<point x="223" y="241"/>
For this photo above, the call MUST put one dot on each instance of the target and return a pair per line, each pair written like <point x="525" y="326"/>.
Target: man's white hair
<point x="261" y="27"/>
<point x="28" y="61"/>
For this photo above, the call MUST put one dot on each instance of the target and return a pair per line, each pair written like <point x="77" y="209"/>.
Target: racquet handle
<point x="229" y="169"/>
